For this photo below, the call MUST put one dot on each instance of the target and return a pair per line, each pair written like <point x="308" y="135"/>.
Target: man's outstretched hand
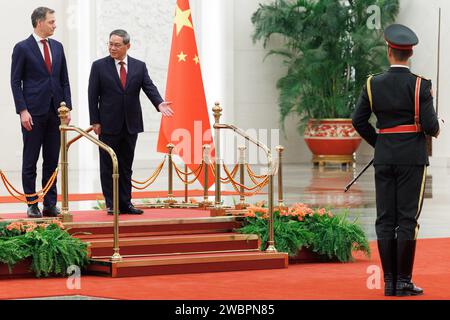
<point x="165" y="109"/>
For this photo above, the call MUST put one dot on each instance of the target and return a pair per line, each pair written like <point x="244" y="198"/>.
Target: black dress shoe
<point x="52" y="211"/>
<point x="389" y="289"/>
<point x="110" y="211"/>
<point x="131" y="210"/>
<point x="33" y="211"/>
<point x="404" y="289"/>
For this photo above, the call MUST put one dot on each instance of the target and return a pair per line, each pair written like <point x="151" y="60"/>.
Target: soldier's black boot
<point x="405" y="260"/>
<point x="387" y="250"/>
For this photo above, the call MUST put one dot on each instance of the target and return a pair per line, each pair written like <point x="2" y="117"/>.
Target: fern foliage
<point x="51" y="249"/>
<point x="329" y="235"/>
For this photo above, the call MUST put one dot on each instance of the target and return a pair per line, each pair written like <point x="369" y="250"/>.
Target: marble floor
<point x="316" y="186"/>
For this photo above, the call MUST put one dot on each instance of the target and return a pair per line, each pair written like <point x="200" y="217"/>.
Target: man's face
<point x="47" y="26"/>
<point x="117" y="49"/>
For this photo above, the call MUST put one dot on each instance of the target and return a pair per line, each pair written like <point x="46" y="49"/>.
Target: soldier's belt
<point x="407" y="128"/>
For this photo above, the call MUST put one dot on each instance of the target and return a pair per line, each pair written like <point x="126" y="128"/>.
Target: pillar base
<point x="66" y="217"/>
<point x="169" y="202"/>
<point x="205" y="204"/>
<point x="217" y="212"/>
<point x="241" y="206"/>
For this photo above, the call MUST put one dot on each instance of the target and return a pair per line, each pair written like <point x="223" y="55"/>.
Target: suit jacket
<point x="32" y="85"/>
<point x="393" y="105"/>
<point x="110" y="104"/>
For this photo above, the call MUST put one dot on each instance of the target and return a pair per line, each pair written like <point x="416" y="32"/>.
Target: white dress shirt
<point x="118" y="64"/>
<point x="399" y="66"/>
<point x="41" y="46"/>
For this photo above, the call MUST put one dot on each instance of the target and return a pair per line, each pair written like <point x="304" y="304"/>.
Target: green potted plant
<point x="45" y="248"/>
<point x="330" y="47"/>
<point x="308" y="234"/>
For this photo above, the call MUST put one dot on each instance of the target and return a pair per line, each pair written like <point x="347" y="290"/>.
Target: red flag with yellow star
<point x="189" y="128"/>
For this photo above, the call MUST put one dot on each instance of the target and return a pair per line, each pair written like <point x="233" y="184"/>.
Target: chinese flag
<point x="189" y="129"/>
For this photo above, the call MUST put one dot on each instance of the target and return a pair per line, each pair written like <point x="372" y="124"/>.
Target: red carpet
<point x="101" y="216"/>
<point x="334" y="281"/>
<point x="136" y="195"/>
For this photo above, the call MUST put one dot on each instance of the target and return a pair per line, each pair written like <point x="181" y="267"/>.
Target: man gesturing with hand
<point x="115" y="112"/>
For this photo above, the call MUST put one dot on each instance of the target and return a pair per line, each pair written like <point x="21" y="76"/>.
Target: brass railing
<point x="260" y="181"/>
<point x="64" y="166"/>
<point x="271" y="171"/>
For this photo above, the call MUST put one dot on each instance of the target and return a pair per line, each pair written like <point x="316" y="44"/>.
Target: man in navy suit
<point x="39" y="83"/>
<point x="115" y="112"/>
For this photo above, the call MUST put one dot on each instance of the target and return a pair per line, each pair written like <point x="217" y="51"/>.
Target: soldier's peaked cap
<point x="400" y="37"/>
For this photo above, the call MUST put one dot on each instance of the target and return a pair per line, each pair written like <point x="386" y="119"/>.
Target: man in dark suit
<point x="39" y="83"/>
<point x="403" y="105"/>
<point x="115" y="111"/>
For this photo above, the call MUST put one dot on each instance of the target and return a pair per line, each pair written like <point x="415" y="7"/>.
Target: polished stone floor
<point x="317" y="186"/>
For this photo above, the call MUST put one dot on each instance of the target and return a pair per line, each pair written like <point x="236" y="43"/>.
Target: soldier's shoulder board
<point x="374" y="74"/>
<point x="418" y="75"/>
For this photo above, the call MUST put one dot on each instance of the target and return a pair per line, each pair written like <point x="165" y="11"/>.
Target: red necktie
<point x="48" y="62"/>
<point x="123" y="74"/>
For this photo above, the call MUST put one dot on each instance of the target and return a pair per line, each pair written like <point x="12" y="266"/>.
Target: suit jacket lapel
<point x="130" y="71"/>
<point x="112" y="66"/>
<point x="54" y="52"/>
<point x="37" y="52"/>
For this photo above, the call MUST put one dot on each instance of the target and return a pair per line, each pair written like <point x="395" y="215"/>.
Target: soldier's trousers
<point x="399" y="198"/>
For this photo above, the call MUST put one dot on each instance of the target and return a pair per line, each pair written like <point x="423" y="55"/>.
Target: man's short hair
<point x="40" y="14"/>
<point x="401" y="55"/>
<point x="121" y="33"/>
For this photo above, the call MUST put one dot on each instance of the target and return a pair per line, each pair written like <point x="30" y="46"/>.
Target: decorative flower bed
<point x="300" y="226"/>
<point x="49" y="247"/>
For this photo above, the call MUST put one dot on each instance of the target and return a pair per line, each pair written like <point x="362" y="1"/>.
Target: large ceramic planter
<point x="306" y="255"/>
<point x="332" y="140"/>
<point x="20" y="270"/>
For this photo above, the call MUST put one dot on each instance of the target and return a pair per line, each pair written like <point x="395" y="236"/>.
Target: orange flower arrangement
<point x="299" y="225"/>
<point x="297" y="211"/>
<point x="29" y="226"/>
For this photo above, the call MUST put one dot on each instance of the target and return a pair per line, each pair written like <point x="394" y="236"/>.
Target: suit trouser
<point x="399" y="197"/>
<point x="45" y="134"/>
<point x="123" y="145"/>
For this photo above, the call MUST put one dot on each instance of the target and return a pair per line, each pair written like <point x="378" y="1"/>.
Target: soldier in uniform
<point x="403" y="105"/>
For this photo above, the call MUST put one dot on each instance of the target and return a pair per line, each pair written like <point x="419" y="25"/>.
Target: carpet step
<point x="188" y="263"/>
<point x="174" y="244"/>
<point x="91" y="230"/>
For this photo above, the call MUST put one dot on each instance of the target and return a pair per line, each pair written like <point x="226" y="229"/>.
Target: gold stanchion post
<point x="271" y="240"/>
<point x="206" y="202"/>
<point x="280" y="150"/>
<point x="186" y="190"/>
<point x="242" y="205"/>
<point x="64" y="165"/>
<point x="63" y="111"/>
<point x="170" y="200"/>
<point x="218" y="209"/>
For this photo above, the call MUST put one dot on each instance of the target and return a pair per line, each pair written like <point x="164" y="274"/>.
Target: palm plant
<point x="329" y="51"/>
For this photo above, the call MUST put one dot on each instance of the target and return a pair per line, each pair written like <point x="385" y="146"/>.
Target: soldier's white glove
<point x="441" y="126"/>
